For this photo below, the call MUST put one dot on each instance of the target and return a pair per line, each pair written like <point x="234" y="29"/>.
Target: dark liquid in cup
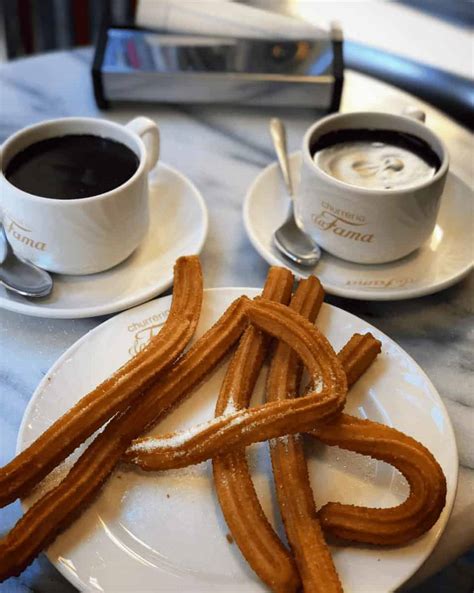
<point x="72" y="166"/>
<point x="375" y="159"/>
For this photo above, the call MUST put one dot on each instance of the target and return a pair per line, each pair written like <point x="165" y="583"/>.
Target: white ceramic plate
<point x="445" y="259"/>
<point x="165" y="532"/>
<point x="178" y="226"/>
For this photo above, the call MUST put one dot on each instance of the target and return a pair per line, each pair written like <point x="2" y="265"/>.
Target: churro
<point x="234" y="486"/>
<point x="358" y="354"/>
<point x="420" y="511"/>
<point x="290" y="471"/>
<point x="385" y="526"/>
<point x="61" y="505"/>
<point x="114" y="394"/>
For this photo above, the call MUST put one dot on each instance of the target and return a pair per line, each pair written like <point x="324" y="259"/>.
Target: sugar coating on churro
<point x="182" y="437"/>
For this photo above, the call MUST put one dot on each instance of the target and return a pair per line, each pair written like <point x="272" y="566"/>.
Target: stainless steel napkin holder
<point x="133" y="64"/>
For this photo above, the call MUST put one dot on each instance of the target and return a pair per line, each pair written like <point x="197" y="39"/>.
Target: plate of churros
<point x="232" y="439"/>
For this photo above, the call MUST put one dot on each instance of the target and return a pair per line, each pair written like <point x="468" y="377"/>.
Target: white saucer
<point x="441" y="262"/>
<point x="164" y="532"/>
<point x="178" y="226"/>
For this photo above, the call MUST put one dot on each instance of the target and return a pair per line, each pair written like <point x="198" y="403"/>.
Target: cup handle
<point x="150" y="134"/>
<point x="414" y="113"/>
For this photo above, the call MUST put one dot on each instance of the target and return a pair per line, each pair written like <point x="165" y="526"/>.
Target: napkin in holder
<point x="138" y="64"/>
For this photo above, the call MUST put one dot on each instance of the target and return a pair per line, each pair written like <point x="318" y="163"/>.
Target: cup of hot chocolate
<point x="74" y="191"/>
<point x="371" y="184"/>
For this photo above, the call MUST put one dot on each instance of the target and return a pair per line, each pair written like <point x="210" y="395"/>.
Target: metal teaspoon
<point x="289" y="239"/>
<point x="19" y="275"/>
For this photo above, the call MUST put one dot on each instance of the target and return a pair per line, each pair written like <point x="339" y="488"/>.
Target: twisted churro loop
<point x="290" y="471"/>
<point x="327" y="377"/>
<point x="386" y="526"/>
<point x="267" y="420"/>
<point x="114" y="394"/>
<point x="231" y="431"/>
<point x="250" y="528"/>
<point x="61" y="505"/>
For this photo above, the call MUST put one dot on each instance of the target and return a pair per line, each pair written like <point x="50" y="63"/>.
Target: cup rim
<point x="56" y="121"/>
<point x="371" y="191"/>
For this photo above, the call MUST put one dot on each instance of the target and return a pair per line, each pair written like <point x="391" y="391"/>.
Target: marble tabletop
<point x="221" y="150"/>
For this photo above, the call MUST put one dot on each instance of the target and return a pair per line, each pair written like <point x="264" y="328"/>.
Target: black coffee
<point x="72" y="166"/>
<point x="375" y="159"/>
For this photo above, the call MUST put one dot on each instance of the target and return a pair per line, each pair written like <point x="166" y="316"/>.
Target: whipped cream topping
<point x="373" y="165"/>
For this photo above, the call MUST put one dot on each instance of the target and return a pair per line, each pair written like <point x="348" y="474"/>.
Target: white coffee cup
<point x="83" y="235"/>
<point x="369" y="226"/>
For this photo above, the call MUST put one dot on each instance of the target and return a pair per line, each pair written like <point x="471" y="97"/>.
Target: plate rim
<point x="354" y="293"/>
<point x="454" y="462"/>
<point x="35" y="310"/>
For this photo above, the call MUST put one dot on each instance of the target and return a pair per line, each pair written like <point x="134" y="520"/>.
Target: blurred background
<point x="32" y="26"/>
<point x="443" y="38"/>
<point x="422" y="46"/>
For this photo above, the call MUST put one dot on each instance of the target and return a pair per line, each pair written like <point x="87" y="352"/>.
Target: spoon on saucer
<point x="289" y="239"/>
<point x="19" y="275"/>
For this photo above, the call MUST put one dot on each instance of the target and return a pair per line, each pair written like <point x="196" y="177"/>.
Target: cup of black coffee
<point x="74" y="191"/>
<point x="371" y="184"/>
